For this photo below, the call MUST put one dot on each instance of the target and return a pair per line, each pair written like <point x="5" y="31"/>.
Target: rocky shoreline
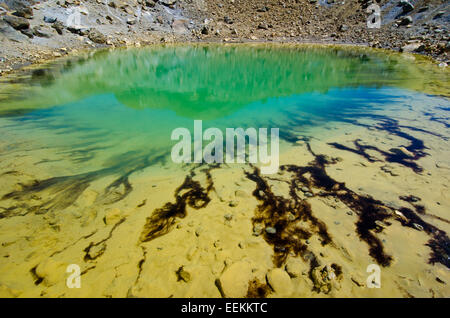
<point x="35" y="31"/>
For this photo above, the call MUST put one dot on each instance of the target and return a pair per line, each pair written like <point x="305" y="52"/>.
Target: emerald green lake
<point x="108" y="107"/>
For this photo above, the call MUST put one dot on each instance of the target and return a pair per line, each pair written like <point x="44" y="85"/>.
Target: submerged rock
<point x="280" y="282"/>
<point x="234" y="280"/>
<point x="183" y="275"/>
<point x="50" y="272"/>
<point x="271" y="230"/>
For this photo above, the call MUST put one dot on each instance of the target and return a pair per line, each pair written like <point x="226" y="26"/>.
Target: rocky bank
<point x="33" y="31"/>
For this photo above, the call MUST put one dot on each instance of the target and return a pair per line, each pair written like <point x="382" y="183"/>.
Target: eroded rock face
<point x="280" y="282"/>
<point x="234" y="280"/>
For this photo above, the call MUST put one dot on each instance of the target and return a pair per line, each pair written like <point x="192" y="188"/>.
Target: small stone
<point x="305" y="189"/>
<point x="227" y="20"/>
<point x="228" y="216"/>
<point x="112" y="216"/>
<point x="131" y="21"/>
<point x="263" y="26"/>
<point x="96" y="36"/>
<point x="257" y="230"/>
<point x="59" y="27"/>
<point x="48" y="19"/>
<point x="343" y="28"/>
<point x="418" y="227"/>
<point x="40" y="33"/>
<point x="233" y="204"/>
<point x="271" y="230"/>
<point x="241" y="194"/>
<point x="308" y="194"/>
<point x="408" y="48"/>
<point x="349" y="213"/>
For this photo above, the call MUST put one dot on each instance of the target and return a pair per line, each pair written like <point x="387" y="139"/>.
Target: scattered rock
<point x="96" y="36"/>
<point x="418" y="227"/>
<point x="228" y="216"/>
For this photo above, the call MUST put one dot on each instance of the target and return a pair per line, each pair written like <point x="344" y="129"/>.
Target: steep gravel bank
<point x="33" y="31"/>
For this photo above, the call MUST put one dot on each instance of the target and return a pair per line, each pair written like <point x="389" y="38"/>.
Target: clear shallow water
<point x="113" y="106"/>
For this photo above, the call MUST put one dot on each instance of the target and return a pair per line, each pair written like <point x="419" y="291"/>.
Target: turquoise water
<point x="113" y="106"/>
